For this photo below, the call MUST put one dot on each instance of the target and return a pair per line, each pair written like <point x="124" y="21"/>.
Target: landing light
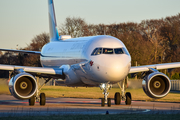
<point x="103" y="86"/>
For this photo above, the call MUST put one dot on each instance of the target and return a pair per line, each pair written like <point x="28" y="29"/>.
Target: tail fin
<point x="54" y="36"/>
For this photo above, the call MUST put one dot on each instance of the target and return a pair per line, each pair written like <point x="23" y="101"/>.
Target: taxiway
<point x="62" y="106"/>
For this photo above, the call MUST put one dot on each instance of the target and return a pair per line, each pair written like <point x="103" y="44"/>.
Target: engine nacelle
<point x="23" y="86"/>
<point x="156" y="85"/>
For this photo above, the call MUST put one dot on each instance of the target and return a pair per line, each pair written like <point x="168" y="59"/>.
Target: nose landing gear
<point x="105" y="87"/>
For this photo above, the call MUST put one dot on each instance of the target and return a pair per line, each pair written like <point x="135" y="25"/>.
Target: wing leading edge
<point x="136" y="69"/>
<point x="40" y="71"/>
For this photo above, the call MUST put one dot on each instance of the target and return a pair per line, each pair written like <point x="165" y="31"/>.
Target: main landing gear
<point x="39" y="97"/>
<point x="118" y="95"/>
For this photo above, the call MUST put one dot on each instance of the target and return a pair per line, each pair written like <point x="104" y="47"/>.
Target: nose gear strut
<point x="105" y="87"/>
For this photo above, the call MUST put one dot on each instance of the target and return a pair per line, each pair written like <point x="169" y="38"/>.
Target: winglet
<point x="54" y="36"/>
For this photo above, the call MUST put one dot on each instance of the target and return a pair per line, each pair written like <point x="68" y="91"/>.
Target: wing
<point x="40" y="71"/>
<point x="22" y="51"/>
<point x="136" y="69"/>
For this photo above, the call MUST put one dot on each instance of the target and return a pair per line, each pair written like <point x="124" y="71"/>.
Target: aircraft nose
<point x="117" y="69"/>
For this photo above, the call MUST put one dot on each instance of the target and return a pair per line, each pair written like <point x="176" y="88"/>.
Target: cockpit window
<point x="107" y="51"/>
<point x="118" y="51"/>
<point x="125" y="51"/>
<point x="97" y="51"/>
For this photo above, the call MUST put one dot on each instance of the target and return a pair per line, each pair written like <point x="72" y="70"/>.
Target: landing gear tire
<point x="32" y="101"/>
<point x="42" y="99"/>
<point x="102" y="102"/>
<point x="109" y="102"/>
<point x="128" y="98"/>
<point x="117" y="98"/>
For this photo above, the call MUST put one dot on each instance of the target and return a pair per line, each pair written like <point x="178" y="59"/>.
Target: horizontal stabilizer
<point x="22" y="51"/>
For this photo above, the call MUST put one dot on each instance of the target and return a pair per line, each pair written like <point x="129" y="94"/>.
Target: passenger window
<point x="107" y="51"/>
<point x="118" y="51"/>
<point x="97" y="51"/>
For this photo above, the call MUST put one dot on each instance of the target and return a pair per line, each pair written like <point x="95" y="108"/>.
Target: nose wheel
<point x="108" y="102"/>
<point x="102" y="102"/>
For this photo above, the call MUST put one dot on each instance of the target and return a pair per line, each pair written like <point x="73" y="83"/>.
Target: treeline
<point x="149" y="42"/>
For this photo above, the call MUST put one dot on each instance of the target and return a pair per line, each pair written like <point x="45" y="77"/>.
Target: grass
<point x="4" y="89"/>
<point x="100" y="117"/>
<point x="95" y="93"/>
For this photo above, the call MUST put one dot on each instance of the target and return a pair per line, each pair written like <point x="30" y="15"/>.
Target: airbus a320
<point x="86" y="61"/>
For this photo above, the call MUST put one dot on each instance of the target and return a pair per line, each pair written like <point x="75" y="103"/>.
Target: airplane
<point x="87" y="62"/>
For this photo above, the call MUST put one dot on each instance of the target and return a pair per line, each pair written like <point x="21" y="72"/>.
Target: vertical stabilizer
<point x="54" y="36"/>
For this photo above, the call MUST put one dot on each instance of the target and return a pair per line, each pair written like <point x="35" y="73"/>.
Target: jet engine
<point x="23" y="86"/>
<point x="156" y="85"/>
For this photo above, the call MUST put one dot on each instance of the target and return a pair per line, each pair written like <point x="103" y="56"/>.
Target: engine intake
<point x="156" y="85"/>
<point x="23" y="86"/>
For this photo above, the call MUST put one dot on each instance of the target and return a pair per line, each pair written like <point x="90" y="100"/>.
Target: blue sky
<point x="21" y="20"/>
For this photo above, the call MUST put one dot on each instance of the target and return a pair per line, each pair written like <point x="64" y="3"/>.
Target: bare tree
<point x="73" y="26"/>
<point x="150" y="29"/>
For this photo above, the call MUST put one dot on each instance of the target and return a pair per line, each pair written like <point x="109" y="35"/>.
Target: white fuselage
<point x="87" y="68"/>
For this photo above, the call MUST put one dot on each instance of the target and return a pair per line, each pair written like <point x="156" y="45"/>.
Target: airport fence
<point x="132" y="83"/>
<point x="175" y="85"/>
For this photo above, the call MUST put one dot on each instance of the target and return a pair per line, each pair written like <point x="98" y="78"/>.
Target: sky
<point x="22" y="20"/>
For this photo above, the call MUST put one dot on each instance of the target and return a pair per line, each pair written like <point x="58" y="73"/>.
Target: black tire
<point x="109" y="102"/>
<point x="42" y="99"/>
<point x="102" y="102"/>
<point x="32" y="101"/>
<point x="117" y="98"/>
<point x="128" y="98"/>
